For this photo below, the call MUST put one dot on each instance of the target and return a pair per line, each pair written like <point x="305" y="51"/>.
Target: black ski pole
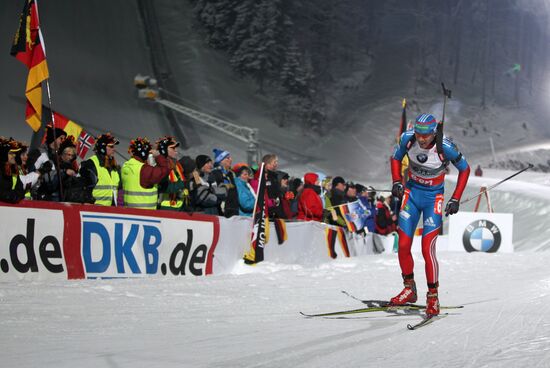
<point x="497" y="184"/>
<point x="439" y="133"/>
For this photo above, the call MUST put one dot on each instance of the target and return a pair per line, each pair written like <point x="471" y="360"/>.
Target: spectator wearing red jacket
<point x="310" y="206"/>
<point x="385" y="219"/>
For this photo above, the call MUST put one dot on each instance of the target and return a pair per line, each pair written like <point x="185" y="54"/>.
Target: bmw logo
<point x="481" y="236"/>
<point x="422" y="157"/>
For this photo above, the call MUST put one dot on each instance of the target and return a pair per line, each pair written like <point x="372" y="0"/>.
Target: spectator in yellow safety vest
<point x="140" y="178"/>
<point x="100" y="173"/>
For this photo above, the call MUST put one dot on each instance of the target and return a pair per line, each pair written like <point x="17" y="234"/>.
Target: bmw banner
<point x="481" y="232"/>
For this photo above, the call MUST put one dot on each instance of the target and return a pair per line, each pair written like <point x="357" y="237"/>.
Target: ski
<point x="386" y="304"/>
<point x="426" y="320"/>
<point x="376" y="306"/>
<point x="384" y="308"/>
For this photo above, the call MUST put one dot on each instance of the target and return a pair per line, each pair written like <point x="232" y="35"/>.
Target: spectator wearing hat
<point x="171" y="188"/>
<point x="286" y="194"/>
<point x="28" y="178"/>
<point x="310" y="206"/>
<point x="386" y="221"/>
<point x="244" y="190"/>
<point x="367" y="197"/>
<point x="191" y="182"/>
<point x="11" y="187"/>
<point x="73" y="185"/>
<point x="478" y="171"/>
<point x="206" y="194"/>
<point x="46" y="164"/>
<point x="326" y="187"/>
<point x="335" y="198"/>
<point x="48" y="152"/>
<point x="100" y="172"/>
<point x="295" y="186"/>
<point x="222" y="172"/>
<point x="351" y="192"/>
<point x="139" y="178"/>
<point x="223" y="176"/>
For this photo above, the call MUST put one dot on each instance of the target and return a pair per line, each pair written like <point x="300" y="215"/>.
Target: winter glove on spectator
<point x="45" y="168"/>
<point x="397" y="189"/>
<point x="452" y="207"/>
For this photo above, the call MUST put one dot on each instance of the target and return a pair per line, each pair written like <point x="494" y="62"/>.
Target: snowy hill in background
<point x="361" y="143"/>
<point x="92" y="75"/>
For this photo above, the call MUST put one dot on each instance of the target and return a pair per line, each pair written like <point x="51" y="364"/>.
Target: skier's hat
<point x="425" y="124"/>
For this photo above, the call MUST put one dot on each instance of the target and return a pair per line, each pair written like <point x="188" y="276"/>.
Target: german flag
<point x="28" y="48"/>
<point x="280" y="230"/>
<point x="260" y="224"/>
<point x="331" y="235"/>
<point x="345" y="213"/>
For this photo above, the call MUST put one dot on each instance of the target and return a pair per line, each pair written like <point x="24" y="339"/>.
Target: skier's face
<point x="424" y="140"/>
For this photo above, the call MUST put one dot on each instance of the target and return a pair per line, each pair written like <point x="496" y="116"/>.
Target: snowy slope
<point x="250" y="318"/>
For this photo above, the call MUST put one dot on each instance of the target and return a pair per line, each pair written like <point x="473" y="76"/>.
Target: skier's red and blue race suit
<point x="424" y="194"/>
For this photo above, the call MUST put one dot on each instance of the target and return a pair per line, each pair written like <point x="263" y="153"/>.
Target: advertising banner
<point x="481" y="232"/>
<point x="32" y="246"/>
<point x="120" y="245"/>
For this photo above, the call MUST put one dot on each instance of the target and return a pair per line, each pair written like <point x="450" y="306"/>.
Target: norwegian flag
<point x="85" y="142"/>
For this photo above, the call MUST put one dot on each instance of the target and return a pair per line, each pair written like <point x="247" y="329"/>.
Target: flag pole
<point x="50" y="102"/>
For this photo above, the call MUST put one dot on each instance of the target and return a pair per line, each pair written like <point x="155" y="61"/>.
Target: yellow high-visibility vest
<point x="107" y="184"/>
<point x="136" y="196"/>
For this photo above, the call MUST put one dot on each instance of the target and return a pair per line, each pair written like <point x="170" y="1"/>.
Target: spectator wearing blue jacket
<point x="244" y="191"/>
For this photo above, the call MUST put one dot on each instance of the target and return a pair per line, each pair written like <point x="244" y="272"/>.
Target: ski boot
<point x="407" y="295"/>
<point x="432" y="302"/>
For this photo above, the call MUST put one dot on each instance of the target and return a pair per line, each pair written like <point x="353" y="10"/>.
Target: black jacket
<point x="9" y="195"/>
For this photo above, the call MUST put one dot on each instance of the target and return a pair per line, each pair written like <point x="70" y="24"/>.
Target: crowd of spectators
<point x="156" y="178"/>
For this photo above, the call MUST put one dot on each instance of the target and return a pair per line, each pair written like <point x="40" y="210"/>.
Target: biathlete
<point x="423" y="194"/>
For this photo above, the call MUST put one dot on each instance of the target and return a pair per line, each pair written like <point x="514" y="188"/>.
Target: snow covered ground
<point x="250" y="318"/>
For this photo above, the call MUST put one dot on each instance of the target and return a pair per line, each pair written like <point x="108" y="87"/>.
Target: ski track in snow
<point x="252" y="320"/>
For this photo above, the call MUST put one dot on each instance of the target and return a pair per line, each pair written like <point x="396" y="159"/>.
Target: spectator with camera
<point x="48" y="188"/>
<point x="72" y="183"/>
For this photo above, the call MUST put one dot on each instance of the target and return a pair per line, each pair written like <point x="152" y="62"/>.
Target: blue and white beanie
<point x="219" y="155"/>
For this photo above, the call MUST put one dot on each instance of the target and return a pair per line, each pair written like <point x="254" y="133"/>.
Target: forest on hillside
<point x="303" y="54"/>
